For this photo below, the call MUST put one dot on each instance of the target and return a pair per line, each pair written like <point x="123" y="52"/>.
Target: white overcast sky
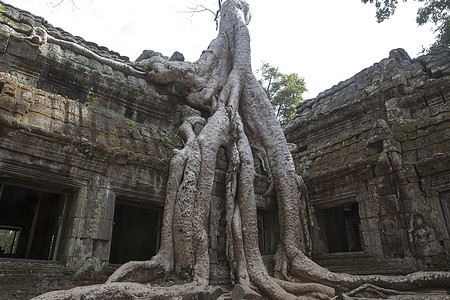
<point x="324" y="41"/>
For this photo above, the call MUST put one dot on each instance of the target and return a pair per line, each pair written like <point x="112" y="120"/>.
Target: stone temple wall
<point x="85" y="145"/>
<point x="81" y="130"/>
<point x="74" y="126"/>
<point x="374" y="150"/>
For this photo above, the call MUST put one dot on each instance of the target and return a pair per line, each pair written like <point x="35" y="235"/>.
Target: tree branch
<point x="201" y="8"/>
<point x="61" y="1"/>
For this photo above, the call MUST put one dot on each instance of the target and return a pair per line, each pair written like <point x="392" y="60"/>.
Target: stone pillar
<point x="90" y="226"/>
<point x="369" y="222"/>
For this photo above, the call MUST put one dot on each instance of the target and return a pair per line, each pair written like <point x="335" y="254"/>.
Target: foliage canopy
<point x="283" y="90"/>
<point x="434" y="11"/>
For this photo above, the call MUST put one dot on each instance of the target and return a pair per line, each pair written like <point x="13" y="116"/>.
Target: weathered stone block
<point x="99" y="229"/>
<point x="72" y="118"/>
<point x="108" y="209"/>
<point x="412" y="197"/>
<point x="399" y="136"/>
<point x="395" y="159"/>
<point x="203" y="295"/>
<point x="216" y="292"/>
<point x="57" y="113"/>
<point x="69" y="129"/>
<point x="4" y="40"/>
<point x="242" y="292"/>
<point x="442" y="136"/>
<point x="38" y="120"/>
<point x="80" y="248"/>
<point x="425" y="152"/>
<point x="411" y="135"/>
<point x="373" y="222"/>
<point x="99" y="123"/>
<point x="22" y="48"/>
<point x="412" y="144"/>
<point x="423" y="132"/>
<point x="101" y="249"/>
<point x="54" y="52"/>
<point x="21" y="107"/>
<point x="41" y="109"/>
<point x="409" y="157"/>
<point x="383" y="165"/>
<point x="77" y="227"/>
<point x="373" y="238"/>
<point x="83" y="132"/>
<point x="410" y="173"/>
<point x="7" y="103"/>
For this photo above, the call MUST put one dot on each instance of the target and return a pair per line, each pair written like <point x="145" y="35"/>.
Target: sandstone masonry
<point x="85" y="146"/>
<point x="380" y="142"/>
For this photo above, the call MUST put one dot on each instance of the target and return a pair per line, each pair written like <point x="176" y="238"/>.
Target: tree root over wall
<point x="240" y="118"/>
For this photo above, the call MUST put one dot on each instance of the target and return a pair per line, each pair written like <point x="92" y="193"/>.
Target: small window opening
<point x="342" y="228"/>
<point x="136" y="233"/>
<point x="9" y="237"/>
<point x="375" y="148"/>
<point x="30" y="223"/>
<point x="268" y="231"/>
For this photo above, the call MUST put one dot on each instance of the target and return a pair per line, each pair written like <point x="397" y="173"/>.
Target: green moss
<point x="164" y="142"/>
<point x="140" y="175"/>
<point x="91" y="100"/>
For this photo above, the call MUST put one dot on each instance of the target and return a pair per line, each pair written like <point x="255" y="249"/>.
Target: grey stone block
<point x="203" y="295"/>
<point x="242" y="292"/>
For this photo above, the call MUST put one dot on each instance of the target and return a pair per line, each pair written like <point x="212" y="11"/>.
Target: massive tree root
<point x="240" y="118"/>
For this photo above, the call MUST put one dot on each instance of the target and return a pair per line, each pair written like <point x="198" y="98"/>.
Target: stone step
<point x="361" y="265"/>
<point x="24" y="279"/>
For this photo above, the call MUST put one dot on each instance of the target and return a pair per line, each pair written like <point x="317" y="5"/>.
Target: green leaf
<point x="283" y="90"/>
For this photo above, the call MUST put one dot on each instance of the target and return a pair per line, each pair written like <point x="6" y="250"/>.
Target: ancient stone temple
<point x="85" y="145"/>
<point x="374" y="152"/>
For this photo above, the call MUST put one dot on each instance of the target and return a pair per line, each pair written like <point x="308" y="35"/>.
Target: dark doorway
<point x="29" y="222"/>
<point x="342" y="228"/>
<point x="136" y="232"/>
<point x="268" y="231"/>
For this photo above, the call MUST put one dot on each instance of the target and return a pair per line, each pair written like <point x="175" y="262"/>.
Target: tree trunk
<point x="221" y="83"/>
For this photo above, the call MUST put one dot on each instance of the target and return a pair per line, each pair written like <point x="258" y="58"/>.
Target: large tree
<point x="238" y="118"/>
<point x="434" y="11"/>
<point x="283" y="90"/>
